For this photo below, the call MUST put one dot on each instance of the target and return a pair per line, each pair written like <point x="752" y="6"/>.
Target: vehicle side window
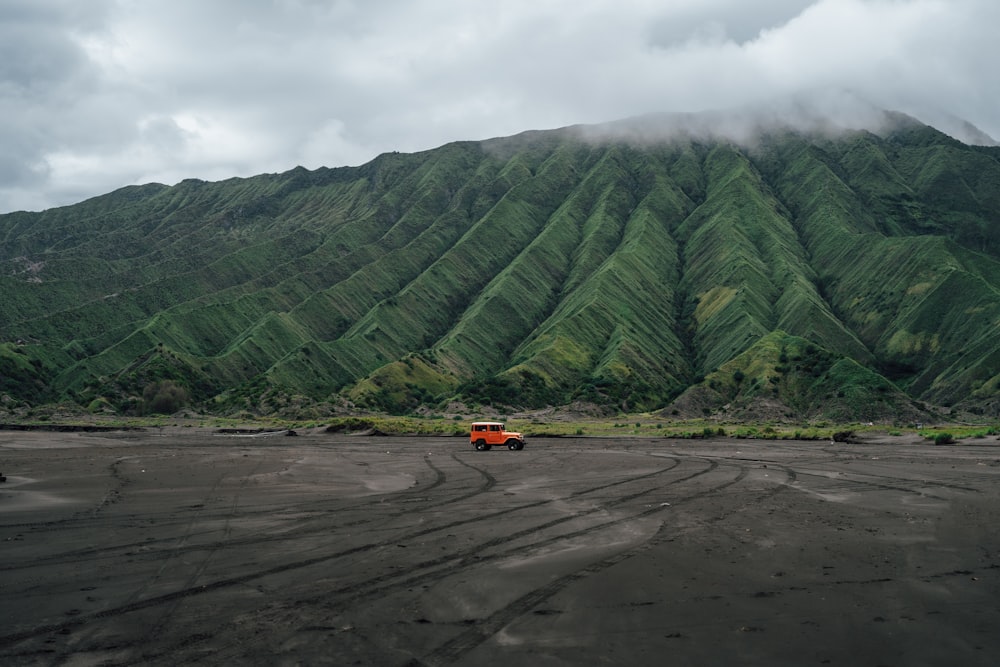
<point x="494" y="427"/>
<point x="479" y="427"/>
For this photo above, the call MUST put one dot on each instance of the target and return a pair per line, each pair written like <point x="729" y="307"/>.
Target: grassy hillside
<point x="846" y="276"/>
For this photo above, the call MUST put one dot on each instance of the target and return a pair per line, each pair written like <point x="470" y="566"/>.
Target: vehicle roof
<point x="487" y="423"/>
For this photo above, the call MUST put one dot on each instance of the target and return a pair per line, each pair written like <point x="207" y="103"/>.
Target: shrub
<point x="163" y="398"/>
<point x="944" y="439"/>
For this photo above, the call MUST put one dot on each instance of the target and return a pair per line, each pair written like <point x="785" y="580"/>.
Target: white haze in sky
<point x="100" y="94"/>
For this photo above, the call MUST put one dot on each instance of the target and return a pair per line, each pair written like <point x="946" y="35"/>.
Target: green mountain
<point x="637" y="266"/>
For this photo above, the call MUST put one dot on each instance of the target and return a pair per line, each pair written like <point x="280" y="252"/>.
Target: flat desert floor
<point x="182" y="546"/>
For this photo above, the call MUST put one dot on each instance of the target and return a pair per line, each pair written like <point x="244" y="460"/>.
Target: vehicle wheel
<point x="481" y="445"/>
<point x="488" y="447"/>
<point x="520" y="446"/>
<point x="512" y="445"/>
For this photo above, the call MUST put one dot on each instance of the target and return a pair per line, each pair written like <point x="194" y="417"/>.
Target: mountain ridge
<point x="554" y="266"/>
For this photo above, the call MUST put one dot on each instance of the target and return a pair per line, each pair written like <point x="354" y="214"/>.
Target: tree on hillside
<point x="164" y="397"/>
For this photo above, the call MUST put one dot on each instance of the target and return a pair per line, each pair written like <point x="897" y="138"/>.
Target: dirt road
<point x="183" y="545"/>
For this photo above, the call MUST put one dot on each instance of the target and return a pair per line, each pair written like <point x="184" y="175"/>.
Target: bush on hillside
<point x="163" y="398"/>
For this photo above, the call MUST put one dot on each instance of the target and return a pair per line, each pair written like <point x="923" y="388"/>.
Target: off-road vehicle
<point x="486" y="434"/>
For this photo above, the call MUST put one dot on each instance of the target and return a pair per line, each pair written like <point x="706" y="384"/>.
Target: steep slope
<point x="830" y="271"/>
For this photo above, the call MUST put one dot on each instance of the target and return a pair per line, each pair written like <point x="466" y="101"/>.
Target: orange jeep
<point x="486" y="434"/>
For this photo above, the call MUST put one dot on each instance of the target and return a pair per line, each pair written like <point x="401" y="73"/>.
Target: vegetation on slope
<point x="850" y="276"/>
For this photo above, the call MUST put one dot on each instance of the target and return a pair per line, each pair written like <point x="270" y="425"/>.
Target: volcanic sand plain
<point x="186" y="545"/>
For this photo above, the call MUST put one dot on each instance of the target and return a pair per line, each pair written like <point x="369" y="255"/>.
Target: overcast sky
<point x="99" y="94"/>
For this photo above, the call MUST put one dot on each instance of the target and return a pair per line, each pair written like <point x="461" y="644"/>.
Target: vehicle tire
<point x="520" y="446"/>
<point x="512" y="445"/>
<point x="481" y="445"/>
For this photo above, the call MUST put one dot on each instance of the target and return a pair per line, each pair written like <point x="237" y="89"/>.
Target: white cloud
<point x="107" y="93"/>
<point x="330" y="138"/>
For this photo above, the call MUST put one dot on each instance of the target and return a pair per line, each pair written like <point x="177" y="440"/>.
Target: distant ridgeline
<point x="848" y="275"/>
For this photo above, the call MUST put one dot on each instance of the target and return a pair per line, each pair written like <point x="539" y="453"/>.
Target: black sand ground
<point x="186" y="546"/>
